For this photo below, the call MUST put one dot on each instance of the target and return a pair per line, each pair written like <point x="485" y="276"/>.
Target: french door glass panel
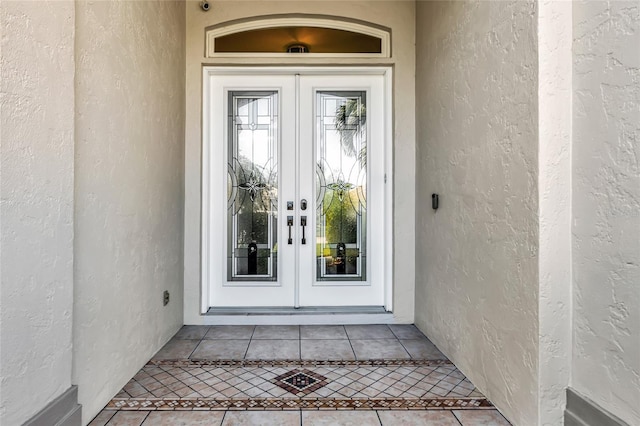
<point x="341" y="186"/>
<point x="252" y="186"/>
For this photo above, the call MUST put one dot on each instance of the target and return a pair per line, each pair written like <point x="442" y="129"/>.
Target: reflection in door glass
<point x="252" y="186"/>
<point x="341" y="186"/>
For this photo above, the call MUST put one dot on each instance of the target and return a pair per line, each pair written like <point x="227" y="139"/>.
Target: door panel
<point x="248" y="184"/>
<point x="343" y="147"/>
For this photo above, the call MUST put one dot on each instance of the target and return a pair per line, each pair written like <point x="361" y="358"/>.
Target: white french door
<point x="294" y="190"/>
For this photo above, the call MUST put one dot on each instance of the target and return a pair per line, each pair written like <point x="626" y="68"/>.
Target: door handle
<point x="303" y="223"/>
<point x="290" y="224"/>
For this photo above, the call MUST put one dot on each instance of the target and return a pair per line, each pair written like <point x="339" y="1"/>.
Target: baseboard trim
<point x="581" y="411"/>
<point x="62" y="411"/>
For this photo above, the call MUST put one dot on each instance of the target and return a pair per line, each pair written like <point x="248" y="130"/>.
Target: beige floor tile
<point x="233" y="332"/>
<point x="102" y="418"/>
<point x="406" y="331"/>
<point x="276" y="332"/>
<point x="418" y="418"/>
<point x="374" y="331"/>
<point x="331" y="332"/>
<point x="177" y="349"/>
<point x="221" y="349"/>
<point x="342" y="418"/>
<point x="422" y="349"/>
<point x="274" y="349"/>
<point x="379" y="349"/>
<point x="326" y="349"/>
<point x="184" y="418"/>
<point x="128" y="418"/>
<point x="192" y="332"/>
<point x="262" y="418"/>
<point x="481" y="418"/>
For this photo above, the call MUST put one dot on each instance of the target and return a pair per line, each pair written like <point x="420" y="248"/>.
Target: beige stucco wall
<point x="36" y="226"/>
<point x="476" y="257"/>
<point x="606" y="205"/>
<point x="554" y="208"/>
<point x="129" y="190"/>
<point x="396" y="15"/>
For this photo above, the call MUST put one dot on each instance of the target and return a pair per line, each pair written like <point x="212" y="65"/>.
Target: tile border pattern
<point x="300" y="363"/>
<point x="150" y="404"/>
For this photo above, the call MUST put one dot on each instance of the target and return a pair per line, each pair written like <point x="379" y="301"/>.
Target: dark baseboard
<point x="62" y="411"/>
<point x="581" y="411"/>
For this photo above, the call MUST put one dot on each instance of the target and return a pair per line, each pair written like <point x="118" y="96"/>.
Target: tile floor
<point x="302" y="375"/>
<point x="299" y="417"/>
<point x="323" y="342"/>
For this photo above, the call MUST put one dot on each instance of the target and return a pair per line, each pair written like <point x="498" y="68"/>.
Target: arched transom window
<point x="283" y="36"/>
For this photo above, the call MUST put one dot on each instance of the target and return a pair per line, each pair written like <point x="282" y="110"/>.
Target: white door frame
<point x="208" y="214"/>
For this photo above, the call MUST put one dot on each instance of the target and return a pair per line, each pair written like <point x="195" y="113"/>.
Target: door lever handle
<point x="303" y="223"/>
<point x="290" y="224"/>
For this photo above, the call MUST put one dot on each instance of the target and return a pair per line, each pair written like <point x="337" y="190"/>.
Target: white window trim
<point x="212" y="34"/>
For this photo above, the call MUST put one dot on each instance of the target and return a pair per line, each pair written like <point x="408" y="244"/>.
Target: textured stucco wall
<point x="606" y="205"/>
<point x="554" y="193"/>
<point x="129" y="189"/>
<point x="36" y="224"/>
<point x="476" y="257"/>
<point x="399" y="16"/>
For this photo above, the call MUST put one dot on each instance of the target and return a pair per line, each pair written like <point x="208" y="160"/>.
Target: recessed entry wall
<point x="605" y="365"/>
<point x="397" y="16"/>
<point x="129" y="190"/>
<point x="477" y="266"/>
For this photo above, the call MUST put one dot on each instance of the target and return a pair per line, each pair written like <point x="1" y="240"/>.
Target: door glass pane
<point x="341" y="186"/>
<point x="252" y="186"/>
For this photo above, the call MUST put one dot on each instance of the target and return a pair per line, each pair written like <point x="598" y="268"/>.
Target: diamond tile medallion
<point x="300" y="382"/>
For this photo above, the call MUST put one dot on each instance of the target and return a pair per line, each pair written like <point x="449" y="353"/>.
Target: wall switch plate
<point x="165" y="298"/>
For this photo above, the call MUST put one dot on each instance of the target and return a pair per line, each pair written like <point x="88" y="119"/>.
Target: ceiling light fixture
<point x="297" y="48"/>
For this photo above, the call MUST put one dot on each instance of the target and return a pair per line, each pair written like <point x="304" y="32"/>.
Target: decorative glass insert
<point x="341" y="186"/>
<point x="252" y="186"/>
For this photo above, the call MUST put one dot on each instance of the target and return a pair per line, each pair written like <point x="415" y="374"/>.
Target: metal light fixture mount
<point x="297" y="48"/>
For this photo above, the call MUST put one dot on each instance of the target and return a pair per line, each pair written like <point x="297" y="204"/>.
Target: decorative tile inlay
<point x="289" y="362"/>
<point x="299" y="404"/>
<point x="248" y="384"/>
<point x="300" y="382"/>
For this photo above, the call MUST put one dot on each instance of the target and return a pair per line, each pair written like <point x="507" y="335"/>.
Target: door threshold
<point x="304" y="316"/>
<point x="308" y="310"/>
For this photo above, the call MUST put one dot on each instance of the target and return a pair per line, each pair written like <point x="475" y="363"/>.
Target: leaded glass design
<point x="252" y="186"/>
<point x="341" y="186"/>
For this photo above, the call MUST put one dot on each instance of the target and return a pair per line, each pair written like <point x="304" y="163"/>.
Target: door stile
<point x="296" y="201"/>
